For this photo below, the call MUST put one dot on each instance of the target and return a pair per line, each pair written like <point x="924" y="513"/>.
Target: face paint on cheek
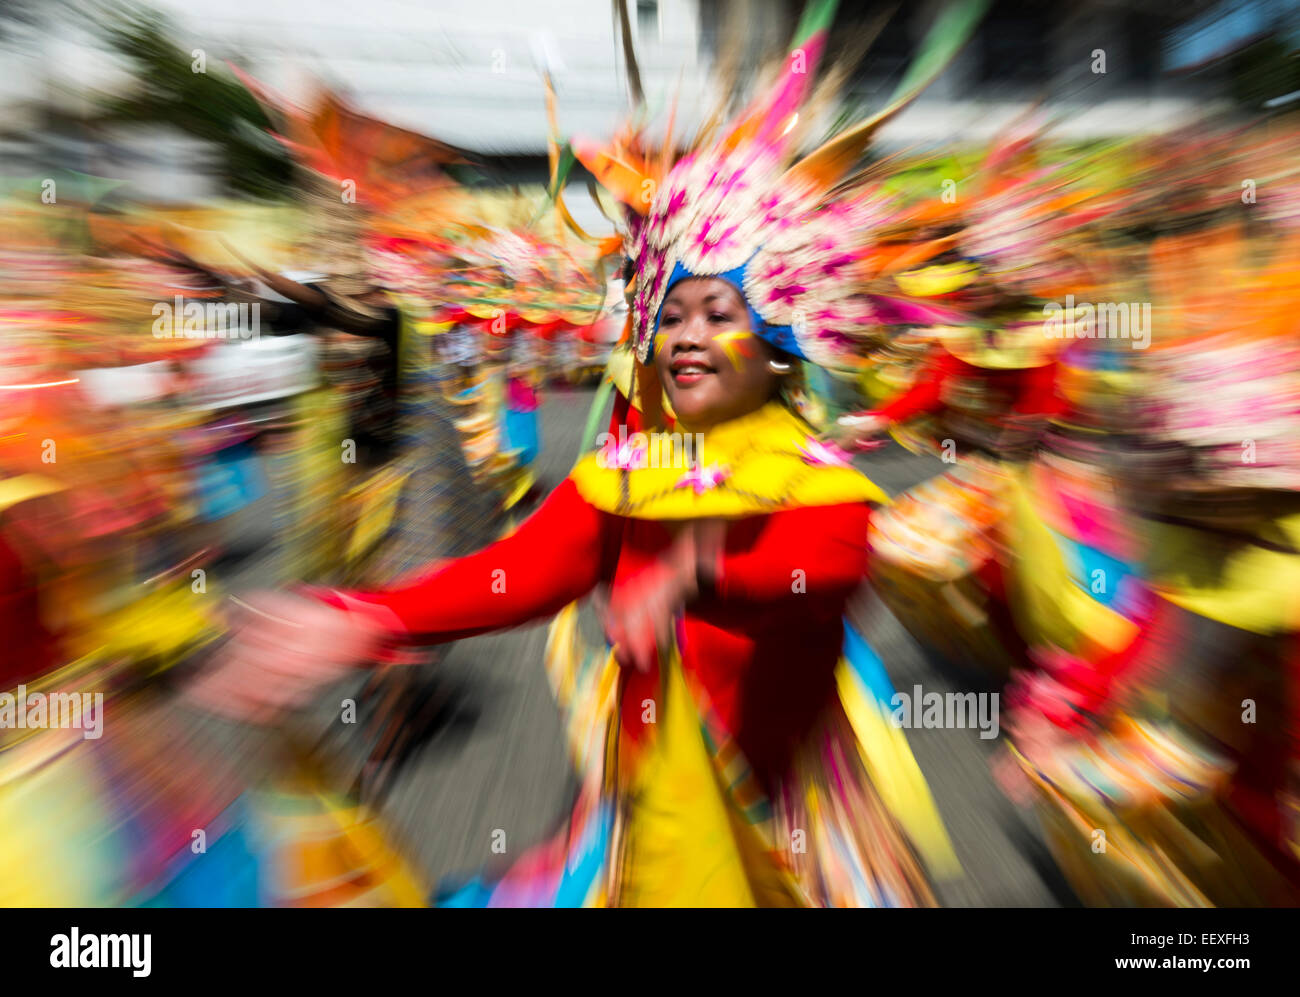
<point x="735" y="344"/>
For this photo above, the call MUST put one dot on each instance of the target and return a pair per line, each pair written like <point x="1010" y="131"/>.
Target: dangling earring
<point x="778" y="367"/>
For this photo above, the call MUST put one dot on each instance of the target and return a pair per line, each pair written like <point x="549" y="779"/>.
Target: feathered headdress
<point x="789" y="235"/>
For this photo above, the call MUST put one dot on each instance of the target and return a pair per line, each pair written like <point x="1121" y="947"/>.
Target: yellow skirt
<point x="677" y="819"/>
<point x="683" y="845"/>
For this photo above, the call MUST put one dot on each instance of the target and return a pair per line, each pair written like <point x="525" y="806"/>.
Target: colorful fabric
<point x="1136" y="816"/>
<point x="933" y="562"/>
<point x="523" y="433"/>
<point x="686" y="825"/>
<point x="142" y="817"/>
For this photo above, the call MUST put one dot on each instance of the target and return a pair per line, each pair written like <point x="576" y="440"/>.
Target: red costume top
<point x="763" y="642"/>
<point x="1024" y="391"/>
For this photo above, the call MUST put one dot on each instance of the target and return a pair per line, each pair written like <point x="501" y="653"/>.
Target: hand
<point x="1042" y="710"/>
<point x="642" y="611"/>
<point x="284" y="646"/>
<point x="853" y="432"/>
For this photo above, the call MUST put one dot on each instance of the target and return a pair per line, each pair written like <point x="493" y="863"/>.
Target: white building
<point x="468" y="72"/>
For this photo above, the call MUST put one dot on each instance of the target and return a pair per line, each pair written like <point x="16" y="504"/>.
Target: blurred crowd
<point x="1094" y="343"/>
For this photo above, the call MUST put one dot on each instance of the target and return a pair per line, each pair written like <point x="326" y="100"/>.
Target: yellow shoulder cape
<point x="762" y="462"/>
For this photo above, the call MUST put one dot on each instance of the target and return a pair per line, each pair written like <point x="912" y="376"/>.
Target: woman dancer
<point x="726" y="762"/>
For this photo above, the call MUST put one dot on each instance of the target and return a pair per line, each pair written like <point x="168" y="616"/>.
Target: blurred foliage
<point x="210" y="105"/>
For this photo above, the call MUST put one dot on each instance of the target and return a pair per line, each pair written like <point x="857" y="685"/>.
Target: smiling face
<point x="712" y="365"/>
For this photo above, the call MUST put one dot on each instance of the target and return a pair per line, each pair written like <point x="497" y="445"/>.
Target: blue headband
<point x="780" y="336"/>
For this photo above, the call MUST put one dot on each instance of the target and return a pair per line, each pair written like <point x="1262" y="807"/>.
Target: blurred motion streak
<point x="258" y="330"/>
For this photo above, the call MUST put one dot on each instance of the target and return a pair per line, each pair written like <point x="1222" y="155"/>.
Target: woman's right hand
<point x="641" y="612"/>
<point x="854" y="431"/>
<point x="283" y="647"/>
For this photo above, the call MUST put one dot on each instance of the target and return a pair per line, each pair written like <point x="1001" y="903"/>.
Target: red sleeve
<point x="818" y="552"/>
<point x="557" y="555"/>
<point x="923" y="396"/>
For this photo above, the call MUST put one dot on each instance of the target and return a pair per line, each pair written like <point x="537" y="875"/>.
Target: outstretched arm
<point x="558" y="555"/>
<point x="289" y="644"/>
<point x="858" y="429"/>
<point x="925" y="393"/>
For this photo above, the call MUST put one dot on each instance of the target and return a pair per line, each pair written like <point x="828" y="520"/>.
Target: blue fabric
<point x="581" y="876"/>
<point x="1090" y="357"/>
<point x="1121" y="581"/>
<point x="229" y="480"/>
<point x="472" y="894"/>
<point x="866" y="664"/>
<point x="582" y="869"/>
<point x="522" y="434"/>
<point x="229" y="874"/>
<point x="780" y="336"/>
